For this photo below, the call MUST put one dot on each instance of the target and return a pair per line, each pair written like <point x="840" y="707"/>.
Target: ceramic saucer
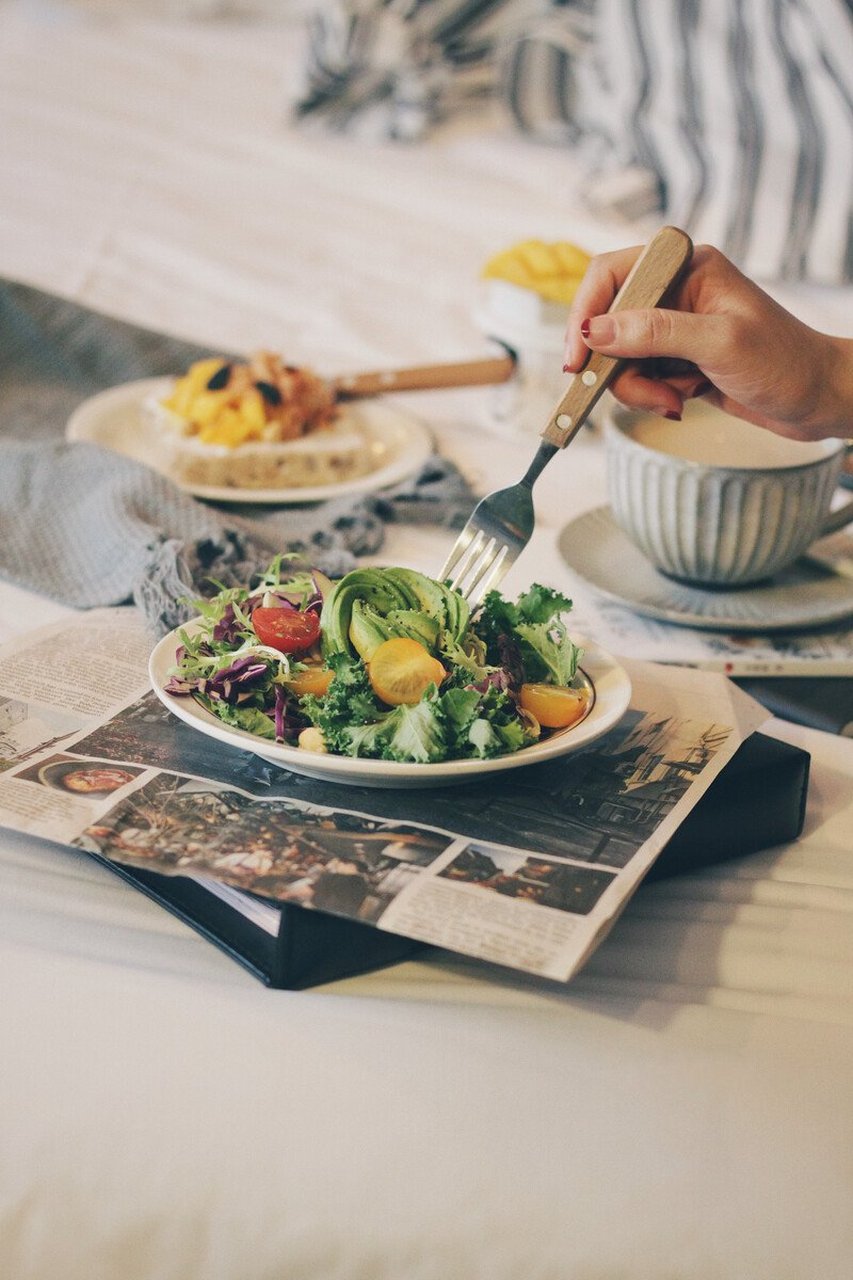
<point x="805" y="595"/>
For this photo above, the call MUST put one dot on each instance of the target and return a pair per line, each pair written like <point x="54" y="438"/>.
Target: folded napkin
<point x="86" y="526"/>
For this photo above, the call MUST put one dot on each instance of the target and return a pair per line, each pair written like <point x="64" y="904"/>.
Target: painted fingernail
<point x="701" y="388"/>
<point x="600" y="330"/>
<point x="672" y="415"/>
<point x="567" y="368"/>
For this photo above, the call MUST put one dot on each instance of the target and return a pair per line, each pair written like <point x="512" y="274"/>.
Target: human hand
<point x="722" y="338"/>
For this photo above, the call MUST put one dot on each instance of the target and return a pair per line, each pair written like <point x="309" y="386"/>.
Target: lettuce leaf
<point x="459" y="709"/>
<point x="349" y="704"/>
<point x="411" y="734"/>
<point x="541" y="604"/>
<point x="249" y="718"/>
<point x="484" y="739"/>
<point x="547" y="653"/>
<point x="531" y="629"/>
<point x="483" y="723"/>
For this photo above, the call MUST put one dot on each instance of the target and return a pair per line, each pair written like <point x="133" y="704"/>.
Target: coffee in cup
<point x="716" y="501"/>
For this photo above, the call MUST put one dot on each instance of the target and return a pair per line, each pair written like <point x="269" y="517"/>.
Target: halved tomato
<point x="553" y="705"/>
<point x="314" y="680"/>
<point x="288" y="630"/>
<point x="401" y="670"/>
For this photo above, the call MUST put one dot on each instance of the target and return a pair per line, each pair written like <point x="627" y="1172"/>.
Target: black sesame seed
<point x="219" y="379"/>
<point x="269" y="391"/>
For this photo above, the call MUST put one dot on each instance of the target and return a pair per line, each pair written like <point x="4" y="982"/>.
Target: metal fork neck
<point x="543" y="456"/>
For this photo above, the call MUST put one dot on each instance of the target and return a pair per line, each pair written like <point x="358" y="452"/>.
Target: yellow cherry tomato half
<point x="314" y="680"/>
<point x="401" y="670"/>
<point x="553" y="705"/>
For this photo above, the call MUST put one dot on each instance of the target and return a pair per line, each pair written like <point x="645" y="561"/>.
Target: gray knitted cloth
<point x="88" y="527"/>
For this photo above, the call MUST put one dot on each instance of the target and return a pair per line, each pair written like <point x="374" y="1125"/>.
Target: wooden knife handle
<point x="470" y="373"/>
<point x="657" y="268"/>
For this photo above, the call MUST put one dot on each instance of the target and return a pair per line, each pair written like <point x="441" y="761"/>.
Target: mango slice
<point x="553" y="271"/>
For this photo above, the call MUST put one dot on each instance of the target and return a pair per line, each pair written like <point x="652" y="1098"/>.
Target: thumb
<point x="656" y="332"/>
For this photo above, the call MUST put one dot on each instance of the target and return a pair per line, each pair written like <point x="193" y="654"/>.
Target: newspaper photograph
<point x="527" y="869"/>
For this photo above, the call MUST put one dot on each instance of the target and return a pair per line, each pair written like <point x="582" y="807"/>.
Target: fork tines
<point x="476" y="563"/>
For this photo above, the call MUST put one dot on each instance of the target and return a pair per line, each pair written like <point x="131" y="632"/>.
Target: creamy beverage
<point x="718" y="440"/>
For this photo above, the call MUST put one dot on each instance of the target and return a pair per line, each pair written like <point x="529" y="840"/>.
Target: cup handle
<point x="841" y="516"/>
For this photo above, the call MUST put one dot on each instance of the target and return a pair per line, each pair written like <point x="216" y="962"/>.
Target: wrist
<point x="833" y="412"/>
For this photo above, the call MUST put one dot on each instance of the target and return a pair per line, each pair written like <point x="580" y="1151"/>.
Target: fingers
<point x="603" y="280"/>
<point x="702" y="339"/>
<point x="635" y="391"/>
<point x="675" y="354"/>
<point x="696" y="332"/>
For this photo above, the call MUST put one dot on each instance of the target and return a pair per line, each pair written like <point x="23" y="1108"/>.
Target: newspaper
<point x="528" y="868"/>
<point x="820" y="652"/>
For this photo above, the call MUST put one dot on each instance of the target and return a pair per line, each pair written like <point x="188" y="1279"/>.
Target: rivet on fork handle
<point x="655" y="271"/>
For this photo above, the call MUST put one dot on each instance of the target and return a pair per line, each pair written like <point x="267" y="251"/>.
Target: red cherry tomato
<point x="287" y="630"/>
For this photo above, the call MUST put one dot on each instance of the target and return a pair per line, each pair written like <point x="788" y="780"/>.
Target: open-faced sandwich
<point x="385" y="663"/>
<point x="256" y="424"/>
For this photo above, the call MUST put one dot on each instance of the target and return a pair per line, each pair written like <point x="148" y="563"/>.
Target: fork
<point x="500" y="526"/>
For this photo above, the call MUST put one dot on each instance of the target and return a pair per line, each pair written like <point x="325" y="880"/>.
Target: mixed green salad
<point x="384" y="663"/>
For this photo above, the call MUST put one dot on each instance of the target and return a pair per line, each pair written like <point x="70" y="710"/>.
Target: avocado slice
<point x="367" y="629"/>
<point x="404" y="593"/>
<point x="416" y="625"/>
<point x="374" y="587"/>
<point x="437" y="600"/>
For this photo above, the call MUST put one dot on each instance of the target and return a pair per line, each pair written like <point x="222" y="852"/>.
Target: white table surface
<point x="684" y="1107"/>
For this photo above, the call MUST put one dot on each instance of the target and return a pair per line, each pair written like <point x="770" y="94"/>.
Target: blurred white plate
<point x="805" y="595"/>
<point x="114" y="418"/>
<point x="611" y="695"/>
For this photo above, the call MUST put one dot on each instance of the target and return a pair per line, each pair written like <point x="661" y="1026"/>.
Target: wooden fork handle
<point x="470" y="373"/>
<point x="657" y="268"/>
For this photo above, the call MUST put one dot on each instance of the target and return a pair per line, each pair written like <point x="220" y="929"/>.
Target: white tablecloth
<point x="683" y="1108"/>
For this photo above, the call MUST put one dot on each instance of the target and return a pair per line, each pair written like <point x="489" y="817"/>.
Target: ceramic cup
<point x="714" y="501"/>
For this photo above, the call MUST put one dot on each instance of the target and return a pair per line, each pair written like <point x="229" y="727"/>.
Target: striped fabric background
<point x="394" y="68"/>
<point x="736" y="114"/>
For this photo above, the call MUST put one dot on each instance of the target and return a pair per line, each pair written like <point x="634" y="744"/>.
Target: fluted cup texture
<point x="716" y="526"/>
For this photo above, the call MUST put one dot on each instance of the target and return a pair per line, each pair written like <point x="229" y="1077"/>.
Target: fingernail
<point x="599" y="331"/>
<point x="701" y="388"/>
<point x="567" y="368"/>
<point x="672" y="415"/>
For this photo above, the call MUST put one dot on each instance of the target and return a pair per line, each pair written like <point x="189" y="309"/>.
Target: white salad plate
<point x="115" y="419"/>
<point x="802" y="596"/>
<point x="611" y="689"/>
